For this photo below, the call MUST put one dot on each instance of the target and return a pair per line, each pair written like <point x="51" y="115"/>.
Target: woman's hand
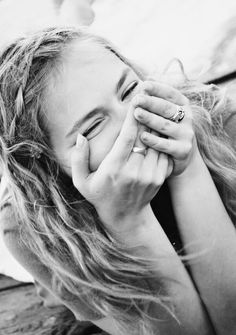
<point x="125" y="182"/>
<point x="154" y="110"/>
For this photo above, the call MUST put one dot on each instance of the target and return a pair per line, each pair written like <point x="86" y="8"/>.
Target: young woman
<point x="102" y="166"/>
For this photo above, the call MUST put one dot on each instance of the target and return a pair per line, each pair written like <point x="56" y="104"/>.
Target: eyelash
<point x="130" y="89"/>
<point x="88" y="131"/>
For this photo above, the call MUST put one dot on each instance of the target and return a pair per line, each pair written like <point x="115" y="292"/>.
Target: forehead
<point x="85" y="68"/>
<point x="87" y="74"/>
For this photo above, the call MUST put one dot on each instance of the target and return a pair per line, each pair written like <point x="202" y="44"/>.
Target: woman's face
<point x="91" y="95"/>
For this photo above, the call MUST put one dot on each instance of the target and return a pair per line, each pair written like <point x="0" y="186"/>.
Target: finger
<point x="136" y="158"/>
<point x="124" y="143"/>
<point x="150" y="162"/>
<point x="164" y="91"/>
<point x="171" y="147"/>
<point x="155" y="167"/>
<point x="80" y="163"/>
<point x="156" y="105"/>
<point x="158" y="123"/>
<point x="141" y="129"/>
<point x="161" y="169"/>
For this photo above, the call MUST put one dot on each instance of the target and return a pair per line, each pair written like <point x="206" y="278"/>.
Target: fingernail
<point x="138" y="113"/>
<point x="144" y="136"/>
<point x="79" y="141"/>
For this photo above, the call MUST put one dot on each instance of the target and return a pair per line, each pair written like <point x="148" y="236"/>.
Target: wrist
<point x="193" y="170"/>
<point x="147" y="236"/>
<point x="135" y="229"/>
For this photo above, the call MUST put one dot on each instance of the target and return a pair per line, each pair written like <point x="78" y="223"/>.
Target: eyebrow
<point x="78" y="123"/>
<point x="97" y="110"/>
<point x="122" y="78"/>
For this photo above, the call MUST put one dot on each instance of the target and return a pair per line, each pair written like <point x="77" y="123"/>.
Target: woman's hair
<point x="61" y="227"/>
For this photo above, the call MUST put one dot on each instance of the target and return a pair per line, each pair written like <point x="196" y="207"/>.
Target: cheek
<point x="99" y="147"/>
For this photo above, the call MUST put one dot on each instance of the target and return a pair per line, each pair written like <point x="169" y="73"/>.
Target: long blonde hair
<point x="58" y="225"/>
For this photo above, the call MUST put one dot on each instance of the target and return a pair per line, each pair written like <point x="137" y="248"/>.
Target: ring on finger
<point x="139" y="150"/>
<point x="179" y="115"/>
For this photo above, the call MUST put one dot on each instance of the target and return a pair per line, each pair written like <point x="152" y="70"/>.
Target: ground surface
<point x="22" y="312"/>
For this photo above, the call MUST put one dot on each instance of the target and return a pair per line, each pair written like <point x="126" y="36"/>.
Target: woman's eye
<point x="94" y="126"/>
<point x="129" y="90"/>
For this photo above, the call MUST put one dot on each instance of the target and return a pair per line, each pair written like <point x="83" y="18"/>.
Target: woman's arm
<point x="205" y="226"/>
<point x="177" y="284"/>
<point x="208" y="232"/>
<point x="153" y="243"/>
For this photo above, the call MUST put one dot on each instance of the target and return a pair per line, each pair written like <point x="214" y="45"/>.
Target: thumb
<point x="80" y="163"/>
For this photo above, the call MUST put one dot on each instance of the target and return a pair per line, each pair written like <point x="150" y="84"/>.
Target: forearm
<point x="208" y="232"/>
<point x="177" y="285"/>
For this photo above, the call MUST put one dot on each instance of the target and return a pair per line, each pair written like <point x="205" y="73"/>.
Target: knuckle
<point x="167" y="110"/>
<point x="146" y="181"/>
<point x="166" y="125"/>
<point x="179" y="98"/>
<point x="129" y="177"/>
<point x="155" y="145"/>
<point x="171" y="95"/>
<point x="131" y="180"/>
<point x="159" y="180"/>
<point x="165" y="145"/>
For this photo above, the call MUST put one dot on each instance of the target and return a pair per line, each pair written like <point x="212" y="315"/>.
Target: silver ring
<point x="179" y="115"/>
<point x="138" y="150"/>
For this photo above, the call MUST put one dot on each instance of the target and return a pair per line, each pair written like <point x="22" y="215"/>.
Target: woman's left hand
<point x="154" y="109"/>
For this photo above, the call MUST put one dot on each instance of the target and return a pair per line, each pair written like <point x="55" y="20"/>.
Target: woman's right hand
<point x="124" y="183"/>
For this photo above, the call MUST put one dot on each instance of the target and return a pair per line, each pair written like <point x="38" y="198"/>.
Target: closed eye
<point x="92" y="128"/>
<point x="129" y="90"/>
